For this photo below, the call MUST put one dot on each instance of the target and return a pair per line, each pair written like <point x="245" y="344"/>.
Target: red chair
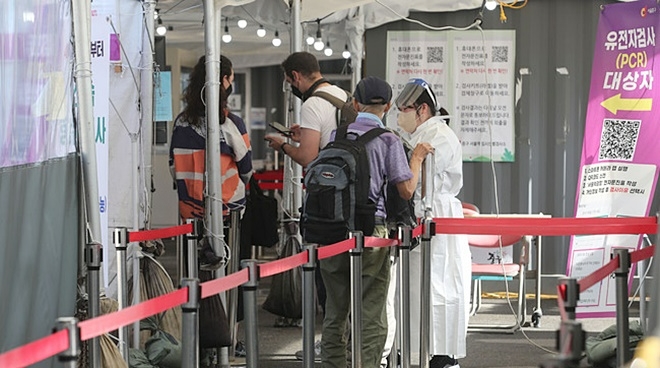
<point x="499" y="272"/>
<point x="496" y="271"/>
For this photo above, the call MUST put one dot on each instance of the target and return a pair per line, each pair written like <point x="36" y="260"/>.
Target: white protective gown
<point x="451" y="260"/>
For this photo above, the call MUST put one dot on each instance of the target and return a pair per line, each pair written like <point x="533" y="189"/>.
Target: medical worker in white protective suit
<point x="451" y="261"/>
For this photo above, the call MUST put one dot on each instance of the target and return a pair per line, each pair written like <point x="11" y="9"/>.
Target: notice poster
<point x="100" y="56"/>
<point x="472" y="75"/>
<point x="620" y="155"/>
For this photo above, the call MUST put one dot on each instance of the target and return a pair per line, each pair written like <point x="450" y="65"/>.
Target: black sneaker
<point x="239" y="351"/>
<point x="208" y="260"/>
<point x="443" y="361"/>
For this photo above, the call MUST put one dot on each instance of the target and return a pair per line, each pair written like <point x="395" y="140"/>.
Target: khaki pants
<point x="375" y="280"/>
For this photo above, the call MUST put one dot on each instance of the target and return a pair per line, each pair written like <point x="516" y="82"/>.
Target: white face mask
<point x="408" y="121"/>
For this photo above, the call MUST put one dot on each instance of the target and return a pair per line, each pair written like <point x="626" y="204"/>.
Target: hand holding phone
<point x="281" y="128"/>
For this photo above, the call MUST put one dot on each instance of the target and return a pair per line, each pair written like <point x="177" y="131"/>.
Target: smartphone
<point x="281" y="128"/>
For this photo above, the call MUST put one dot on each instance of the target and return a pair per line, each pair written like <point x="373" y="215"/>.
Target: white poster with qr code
<point x="620" y="152"/>
<point x="472" y="76"/>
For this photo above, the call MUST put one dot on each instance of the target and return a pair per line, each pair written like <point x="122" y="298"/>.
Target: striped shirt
<point x="188" y="163"/>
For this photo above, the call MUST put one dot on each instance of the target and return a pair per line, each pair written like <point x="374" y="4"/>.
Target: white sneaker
<point x="317" y="352"/>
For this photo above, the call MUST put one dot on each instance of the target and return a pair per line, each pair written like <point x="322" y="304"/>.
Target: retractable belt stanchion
<point x="623" y="353"/>
<point x="190" y="328"/>
<point x="309" y="270"/>
<point x="119" y="239"/>
<point x="403" y="319"/>
<point x="250" y="312"/>
<point x="190" y="310"/>
<point x="570" y="339"/>
<point x="69" y="357"/>
<point x="234" y="264"/>
<point x="93" y="259"/>
<point x="356" y="298"/>
<point x="428" y="173"/>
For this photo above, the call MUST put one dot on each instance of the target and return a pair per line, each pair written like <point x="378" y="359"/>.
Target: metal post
<point x="395" y="351"/>
<point x="623" y="353"/>
<point x="403" y="319"/>
<point x="356" y="298"/>
<point x="428" y="175"/>
<point x="250" y="312"/>
<point x="642" y="269"/>
<point x="234" y="264"/>
<point x="295" y="190"/>
<point x="69" y="357"/>
<point x="191" y="252"/>
<point x="425" y="314"/>
<point x="93" y="259"/>
<point x="538" y="312"/>
<point x="190" y="324"/>
<point x="119" y="239"/>
<point x="309" y="270"/>
<point x="213" y="213"/>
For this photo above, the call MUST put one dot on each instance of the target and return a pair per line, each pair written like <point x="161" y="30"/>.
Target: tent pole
<point x="292" y="187"/>
<point x="146" y="108"/>
<point x="213" y="213"/>
<point x="83" y="74"/>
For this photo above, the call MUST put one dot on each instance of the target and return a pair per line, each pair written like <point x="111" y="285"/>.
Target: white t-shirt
<point x="320" y="115"/>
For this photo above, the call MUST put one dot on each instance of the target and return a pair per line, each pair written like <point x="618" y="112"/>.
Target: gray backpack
<point x="337" y="190"/>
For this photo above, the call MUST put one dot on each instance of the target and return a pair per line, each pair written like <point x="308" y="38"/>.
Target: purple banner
<point x="620" y="152"/>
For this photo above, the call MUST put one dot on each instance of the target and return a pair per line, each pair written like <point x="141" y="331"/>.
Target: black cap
<point x="373" y="91"/>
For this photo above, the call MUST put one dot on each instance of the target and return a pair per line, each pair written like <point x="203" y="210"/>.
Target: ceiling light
<point x="277" y="41"/>
<point x="261" y="32"/>
<point x="318" y="45"/>
<point x="242" y="23"/>
<point x="226" y="37"/>
<point x="310" y="40"/>
<point x="161" y="29"/>
<point x="491" y="4"/>
<point x="328" y="50"/>
<point x="346" y="54"/>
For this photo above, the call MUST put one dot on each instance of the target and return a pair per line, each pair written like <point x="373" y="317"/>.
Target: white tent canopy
<point x="338" y="18"/>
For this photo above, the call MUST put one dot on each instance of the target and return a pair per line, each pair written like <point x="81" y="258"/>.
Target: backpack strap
<point x="335" y="101"/>
<point x="371" y="134"/>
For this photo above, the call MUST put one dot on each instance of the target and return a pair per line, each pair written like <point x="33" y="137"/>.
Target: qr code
<point x="500" y="54"/>
<point x="619" y="139"/>
<point x="434" y="54"/>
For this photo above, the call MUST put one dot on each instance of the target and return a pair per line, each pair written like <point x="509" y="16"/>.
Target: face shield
<point x="411" y="92"/>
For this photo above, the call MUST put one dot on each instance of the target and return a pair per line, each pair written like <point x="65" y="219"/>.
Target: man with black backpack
<point x="338" y="176"/>
<point x="321" y="111"/>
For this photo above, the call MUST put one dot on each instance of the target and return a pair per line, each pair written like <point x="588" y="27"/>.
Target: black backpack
<point x="337" y="190"/>
<point x="400" y="212"/>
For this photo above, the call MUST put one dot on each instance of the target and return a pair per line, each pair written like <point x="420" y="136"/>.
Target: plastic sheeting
<point x="36" y="74"/>
<point x="38" y="172"/>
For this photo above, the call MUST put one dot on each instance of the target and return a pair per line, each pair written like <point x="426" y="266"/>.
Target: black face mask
<point x="229" y="90"/>
<point x="304" y="96"/>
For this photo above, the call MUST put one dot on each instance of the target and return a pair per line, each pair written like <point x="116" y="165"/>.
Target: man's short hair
<point x="302" y="62"/>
